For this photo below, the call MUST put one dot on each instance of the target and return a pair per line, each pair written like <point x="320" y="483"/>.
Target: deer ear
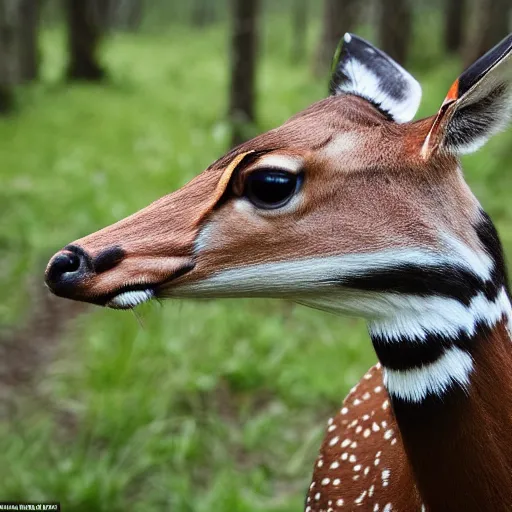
<point x="478" y="104"/>
<point x="361" y="69"/>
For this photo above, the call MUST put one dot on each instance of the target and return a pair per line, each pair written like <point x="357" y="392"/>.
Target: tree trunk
<point x="134" y="16"/>
<point x="300" y="25"/>
<point x="87" y="22"/>
<point x="10" y="70"/>
<point x="492" y="25"/>
<point x="29" y="48"/>
<point x="395" y="25"/>
<point x="243" y="66"/>
<point x="339" y="16"/>
<point x="455" y="14"/>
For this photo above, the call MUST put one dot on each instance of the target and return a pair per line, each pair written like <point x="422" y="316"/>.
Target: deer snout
<point x="112" y="276"/>
<point x="67" y="270"/>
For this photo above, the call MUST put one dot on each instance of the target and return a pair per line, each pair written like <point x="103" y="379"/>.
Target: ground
<point x="188" y="406"/>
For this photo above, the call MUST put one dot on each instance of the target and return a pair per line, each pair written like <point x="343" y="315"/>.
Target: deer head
<point x="344" y="207"/>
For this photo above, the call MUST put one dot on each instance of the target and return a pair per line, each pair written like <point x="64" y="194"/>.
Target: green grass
<point x="210" y="405"/>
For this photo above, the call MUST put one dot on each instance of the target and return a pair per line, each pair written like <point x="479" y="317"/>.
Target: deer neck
<point x="447" y="369"/>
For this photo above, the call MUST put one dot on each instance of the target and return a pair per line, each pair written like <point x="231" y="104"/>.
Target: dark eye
<point x="271" y="189"/>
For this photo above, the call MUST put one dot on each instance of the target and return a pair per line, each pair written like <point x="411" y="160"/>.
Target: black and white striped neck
<point x="423" y="362"/>
<point x="428" y="347"/>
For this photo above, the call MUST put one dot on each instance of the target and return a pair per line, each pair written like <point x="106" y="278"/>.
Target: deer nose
<point x="67" y="269"/>
<point x="64" y="263"/>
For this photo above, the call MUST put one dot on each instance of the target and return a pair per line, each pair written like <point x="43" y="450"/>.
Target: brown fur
<point x="366" y="188"/>
<point x="460" y="458"/>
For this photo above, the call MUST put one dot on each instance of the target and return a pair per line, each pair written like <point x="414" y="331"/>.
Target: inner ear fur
<point x="478" y="104"/>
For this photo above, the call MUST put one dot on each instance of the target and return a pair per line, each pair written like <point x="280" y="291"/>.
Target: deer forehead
<point x="341" y="134"/>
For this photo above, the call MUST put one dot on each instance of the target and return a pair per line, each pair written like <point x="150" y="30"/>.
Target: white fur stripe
<point x="419" y="316"/>
<point x="453" y="367"/>
<point x="478" y="261"/>
<point x="316" y="283"/>
<point x="284" y="278"/>
<point x="369" y="73"/>
<point x="130" y="299"/>
<point x="368" y="85"/>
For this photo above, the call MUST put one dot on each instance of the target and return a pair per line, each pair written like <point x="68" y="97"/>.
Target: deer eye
<point x="271" y="189"/>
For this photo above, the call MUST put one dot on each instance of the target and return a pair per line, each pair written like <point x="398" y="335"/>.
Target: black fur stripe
<point x="389" y="77"/>
<point x="475" y="72"/>
<point x="490" y="241"/>
<point x="450" y="281"/>
<point x="447" y="281"/>
<point x="406" y="354"/>
<point x="472" y="344"/>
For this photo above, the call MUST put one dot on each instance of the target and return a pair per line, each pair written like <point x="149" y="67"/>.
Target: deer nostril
<point x="65" y="262"/>
<point x="67" y="268"/>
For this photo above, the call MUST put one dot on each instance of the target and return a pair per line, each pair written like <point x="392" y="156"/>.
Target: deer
<point x="353" y="207"/>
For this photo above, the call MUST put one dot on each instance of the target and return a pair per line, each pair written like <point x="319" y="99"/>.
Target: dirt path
<point x="27" y="350"/>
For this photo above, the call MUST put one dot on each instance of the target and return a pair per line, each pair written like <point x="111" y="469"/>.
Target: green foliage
<point x="209" y="405"/>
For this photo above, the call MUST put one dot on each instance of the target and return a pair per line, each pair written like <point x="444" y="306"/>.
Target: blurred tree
<point x="134" y="14"/>
<point x="19" y="56"/>
<point x="455" y="11"/>
<point x="339" y="16"/>
<point x="203" y="12"/>
<point x="10" y="72"/>
<point x="87" y="23"/>
<point x="300" y="25"/>
<point x="244" y="42"/>
<point x="121" y="14"/>
<point x="395" y="25"/>
<point x="29" y="47"/>
<point x="491" y="19"/>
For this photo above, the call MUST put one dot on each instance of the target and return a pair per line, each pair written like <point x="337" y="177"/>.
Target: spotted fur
<point x="362" y="464"/>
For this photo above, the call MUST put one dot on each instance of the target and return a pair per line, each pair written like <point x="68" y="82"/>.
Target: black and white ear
<point x="478" y="104"/>
<point x="363" y="70"/>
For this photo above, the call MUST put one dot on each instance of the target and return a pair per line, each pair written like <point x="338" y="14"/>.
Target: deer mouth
<point x="132" y="295"/>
